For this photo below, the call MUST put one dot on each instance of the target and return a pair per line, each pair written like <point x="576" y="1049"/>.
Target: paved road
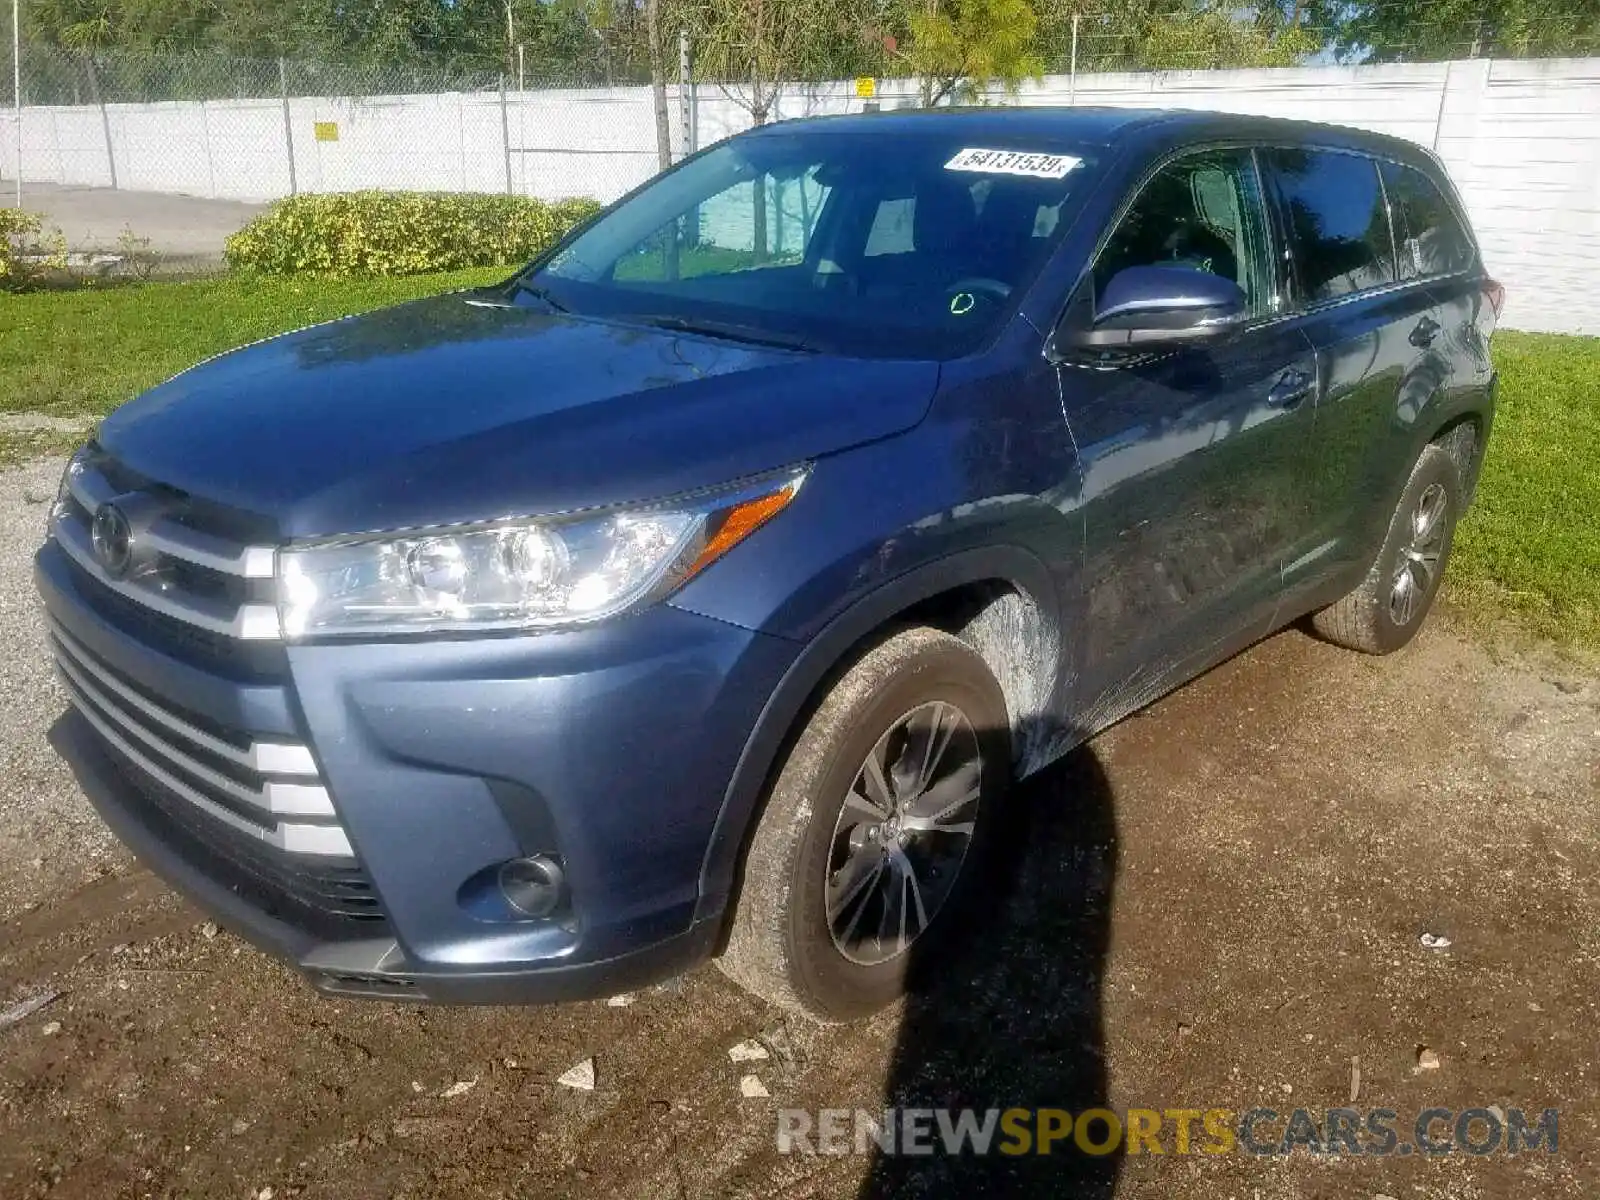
<point x="187" y="229"/>
<point x="1217" y="904"/>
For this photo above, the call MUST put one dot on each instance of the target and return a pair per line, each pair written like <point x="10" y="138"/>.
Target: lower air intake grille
<point x="331" y="901"/>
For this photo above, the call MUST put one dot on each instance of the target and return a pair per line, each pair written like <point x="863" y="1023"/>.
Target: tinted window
<point x="1334" y="208"/>
<point x="912" y="245"/>
<point x="1202" y="211"/>
<point x="1428" y="235"/>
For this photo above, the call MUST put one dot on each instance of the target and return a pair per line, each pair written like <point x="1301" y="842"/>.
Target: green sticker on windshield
<point x="961" y="303"/>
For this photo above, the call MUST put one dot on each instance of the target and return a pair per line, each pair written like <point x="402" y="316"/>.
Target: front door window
<point x="1202" y="211"/>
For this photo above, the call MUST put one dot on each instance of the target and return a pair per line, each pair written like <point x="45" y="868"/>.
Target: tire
<point x="810" y="846"/>
<point x="1377" y="618"/>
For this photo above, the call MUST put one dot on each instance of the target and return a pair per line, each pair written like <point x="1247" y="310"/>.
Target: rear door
<point x="1379" y="359"/>
<point x="1432" y="245"/>
<point x="1190" y="457"/>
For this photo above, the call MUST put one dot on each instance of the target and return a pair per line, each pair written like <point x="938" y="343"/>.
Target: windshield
<point x="905" y="246"/>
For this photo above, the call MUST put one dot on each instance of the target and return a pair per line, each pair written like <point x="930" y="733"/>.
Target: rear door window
<point x="1428" y="235"/>
<point x="1336" y="221"/>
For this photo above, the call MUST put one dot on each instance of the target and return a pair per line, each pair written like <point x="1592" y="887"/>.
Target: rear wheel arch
<point x="1462" y="438"/>
<point x="1386" y="608"/>
<point x="982" y="596"/>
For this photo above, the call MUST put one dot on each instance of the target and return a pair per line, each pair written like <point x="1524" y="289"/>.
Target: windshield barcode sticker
<point x="1013" y="162"/>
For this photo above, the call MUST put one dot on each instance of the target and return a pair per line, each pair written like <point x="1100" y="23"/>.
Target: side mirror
<point x="1162" y="306"/>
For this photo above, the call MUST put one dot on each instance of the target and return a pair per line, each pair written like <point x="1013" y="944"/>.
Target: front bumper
<point x="610" y="747"/>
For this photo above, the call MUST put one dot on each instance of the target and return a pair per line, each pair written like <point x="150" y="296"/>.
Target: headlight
<point x="516" y="574"/>
<point x="64" y="488"/>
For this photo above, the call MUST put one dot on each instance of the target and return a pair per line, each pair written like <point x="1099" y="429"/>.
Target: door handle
<point x="1424" y="332"/>
<point x="1293" y="386"/>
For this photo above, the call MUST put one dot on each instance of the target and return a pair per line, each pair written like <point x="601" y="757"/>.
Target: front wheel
<point x="874" y="831"/>
<point x="1386" y="611"/>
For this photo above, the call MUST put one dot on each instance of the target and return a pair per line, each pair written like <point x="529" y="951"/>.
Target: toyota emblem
<point x="113" y="539"/>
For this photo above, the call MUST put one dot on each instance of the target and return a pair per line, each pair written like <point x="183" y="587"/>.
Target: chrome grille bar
<point x="176" y="541"/>
<point x="267" y="758"/>
<point x="273" y="799"/>
<point x="91" y="489"/>
<point x="250" y="622"/>
<point x="324" y="840"/>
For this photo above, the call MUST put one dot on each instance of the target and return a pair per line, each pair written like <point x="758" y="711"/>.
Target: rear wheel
<point x="874" y="830"/>
<point x="1386" y="611"/>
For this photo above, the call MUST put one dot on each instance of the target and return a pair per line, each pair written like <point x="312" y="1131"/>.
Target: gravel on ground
<point x="1219" y="903"/>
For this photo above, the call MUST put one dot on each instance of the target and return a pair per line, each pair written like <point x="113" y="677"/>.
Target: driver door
<point x="1193" y="457"/>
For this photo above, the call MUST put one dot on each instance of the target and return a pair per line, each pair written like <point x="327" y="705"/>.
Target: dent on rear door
<point x="1467" y="321"/>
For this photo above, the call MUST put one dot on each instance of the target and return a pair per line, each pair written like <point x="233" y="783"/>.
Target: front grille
<point x="267" y="790"/>
<point x="245" y="662"/>
<point x="190" y="587"/>
<point x="153" y="565"/>
<point x="251" y="814"/>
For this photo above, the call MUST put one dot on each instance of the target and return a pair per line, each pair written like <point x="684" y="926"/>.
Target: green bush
<point x="27" y="253"/>
<point x="401" y="233"/>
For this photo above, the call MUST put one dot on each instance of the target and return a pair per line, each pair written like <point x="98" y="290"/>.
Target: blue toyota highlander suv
<point x="700" y="591"/>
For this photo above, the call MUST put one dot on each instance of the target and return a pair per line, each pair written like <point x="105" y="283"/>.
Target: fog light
<point x="533" y="886"/>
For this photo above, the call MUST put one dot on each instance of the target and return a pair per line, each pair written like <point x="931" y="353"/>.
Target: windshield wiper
<point x="506" y="298"/>
<point x="520" y="286"/>
<point x="755" y="335"/>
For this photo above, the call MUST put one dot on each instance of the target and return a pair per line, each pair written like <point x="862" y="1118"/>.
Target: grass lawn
<point x="1530" y="547"/>
<point x="86" y="351"/>
<point x="1529" y="550"/>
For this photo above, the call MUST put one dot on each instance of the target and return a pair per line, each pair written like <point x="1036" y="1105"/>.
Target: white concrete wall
<point x="1521" y="140"/>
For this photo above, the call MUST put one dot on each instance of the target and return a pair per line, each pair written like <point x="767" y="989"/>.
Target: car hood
<point x="443" y="410"/>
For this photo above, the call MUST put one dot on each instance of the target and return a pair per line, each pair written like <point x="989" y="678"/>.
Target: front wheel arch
<point x="907" y="598"/>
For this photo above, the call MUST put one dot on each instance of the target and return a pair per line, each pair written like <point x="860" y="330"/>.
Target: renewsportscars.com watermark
<point x="1376" y="1132"/>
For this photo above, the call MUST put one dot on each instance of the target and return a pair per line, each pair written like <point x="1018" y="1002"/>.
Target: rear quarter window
<point x="1429" y="237"/>
<point x="1336" y="221"/>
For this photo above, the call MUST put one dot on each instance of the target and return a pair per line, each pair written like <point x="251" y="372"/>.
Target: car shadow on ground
<point x="1015" y="1020"/>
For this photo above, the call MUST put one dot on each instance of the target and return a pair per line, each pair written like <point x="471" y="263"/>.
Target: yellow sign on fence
<point x="866" y="87"/>
<point x="326" y="131"/>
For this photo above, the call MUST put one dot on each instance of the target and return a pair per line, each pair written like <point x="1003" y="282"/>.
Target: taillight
<point x="1495" y="294"/>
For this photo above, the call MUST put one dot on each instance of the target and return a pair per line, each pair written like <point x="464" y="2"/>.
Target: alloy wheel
<point x="1419" y="555"/>
<point x="903" y="833"/>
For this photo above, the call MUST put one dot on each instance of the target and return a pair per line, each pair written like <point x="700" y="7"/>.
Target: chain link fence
<point x="249" y="129"/>
<point x="210" y="125"/>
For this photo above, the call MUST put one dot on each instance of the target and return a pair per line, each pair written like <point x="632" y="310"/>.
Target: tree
<point x="1154" y="35"/>
<point x="1214" y="40"/>
<point x="658" y="88"/>
<point x="1414" y="31"/>
<point x="958" y="47"/>
<point x="74" y="24"/>
<point x="753" y="48"/>
<point x="566" y="41"/>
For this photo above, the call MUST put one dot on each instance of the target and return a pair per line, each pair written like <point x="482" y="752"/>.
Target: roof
<point x="1089" y="125"/>
<point x="1104" y="126"/>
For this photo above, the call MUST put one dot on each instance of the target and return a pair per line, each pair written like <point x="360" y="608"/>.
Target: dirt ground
<point x="1217" y="904"/>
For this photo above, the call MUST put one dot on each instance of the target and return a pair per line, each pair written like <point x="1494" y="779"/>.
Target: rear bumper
<point x="611" y="748"/>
